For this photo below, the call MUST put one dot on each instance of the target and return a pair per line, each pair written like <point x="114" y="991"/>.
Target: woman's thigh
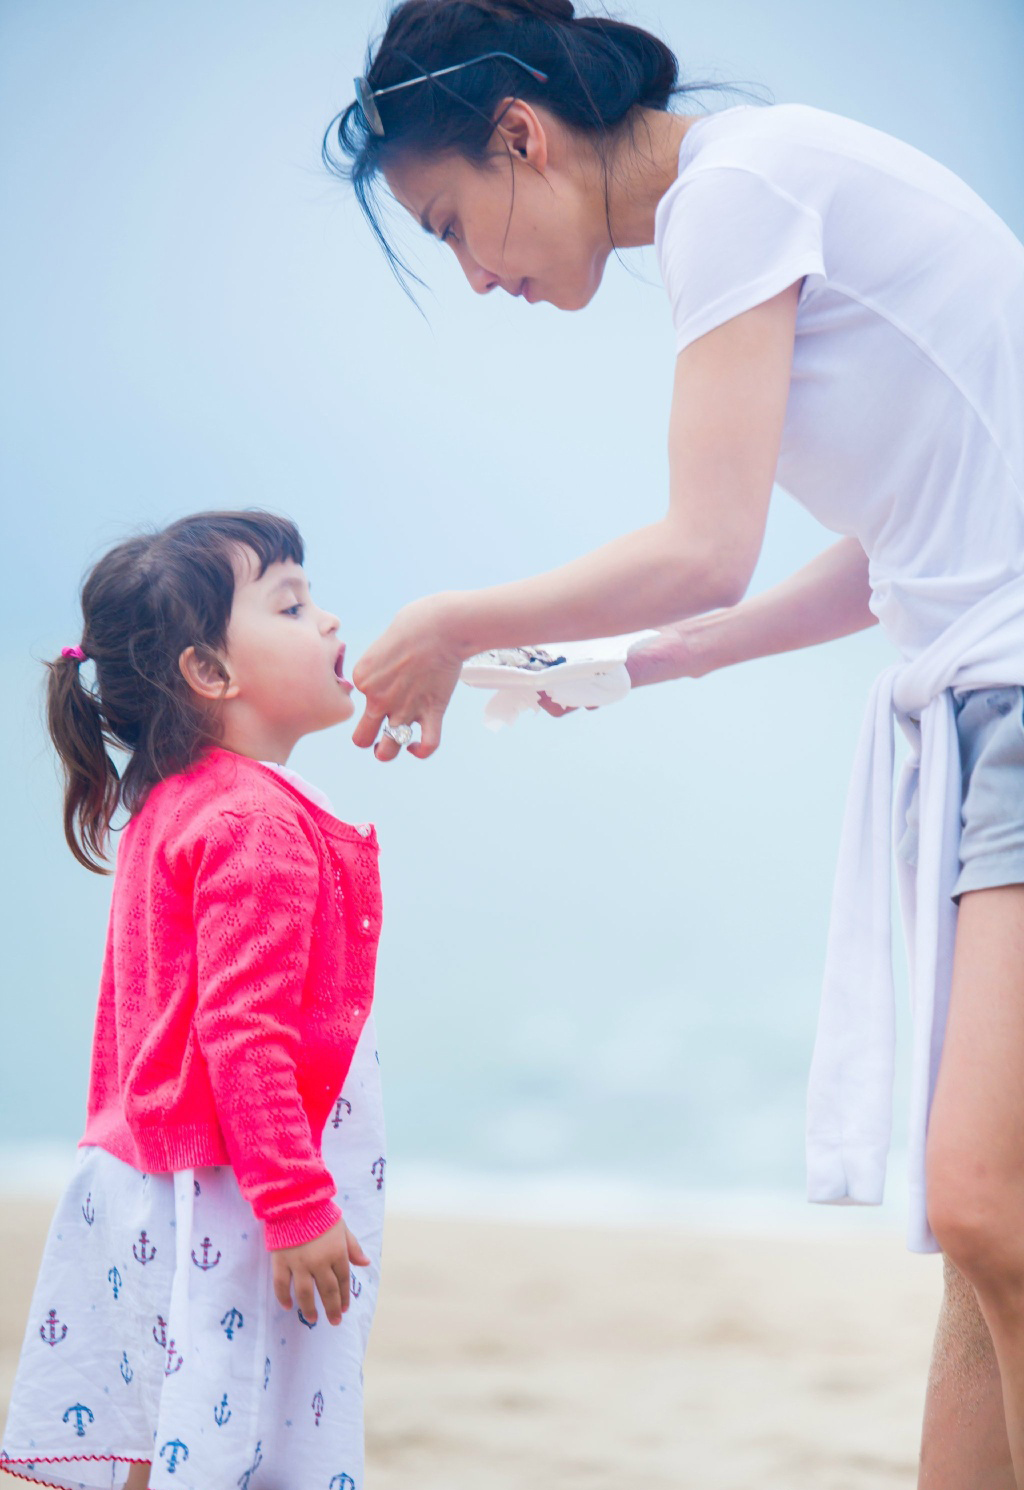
<point x="976" y="1129"/>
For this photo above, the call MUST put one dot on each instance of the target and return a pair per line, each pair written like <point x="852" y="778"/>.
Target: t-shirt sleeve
<point x="728" y="239"/>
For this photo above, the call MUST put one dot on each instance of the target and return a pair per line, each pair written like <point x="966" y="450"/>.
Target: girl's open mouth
<point x="339" y="669"/>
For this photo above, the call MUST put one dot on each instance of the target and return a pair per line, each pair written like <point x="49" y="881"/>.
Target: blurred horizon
<point x="603" y="935"/>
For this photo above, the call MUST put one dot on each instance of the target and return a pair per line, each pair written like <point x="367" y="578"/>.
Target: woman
<point x="849" y="320"/>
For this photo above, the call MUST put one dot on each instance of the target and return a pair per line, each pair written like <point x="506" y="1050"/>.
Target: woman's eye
<point x="449" y="236"/>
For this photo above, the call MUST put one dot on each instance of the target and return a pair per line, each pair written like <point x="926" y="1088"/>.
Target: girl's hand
<point x="323" y="1262"/>
<point x="408" y="677"/>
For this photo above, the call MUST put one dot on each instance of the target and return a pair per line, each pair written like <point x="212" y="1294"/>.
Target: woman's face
<point x="528" y="219"/>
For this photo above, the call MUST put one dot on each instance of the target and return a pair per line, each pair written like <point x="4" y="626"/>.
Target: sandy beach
<point x="587" y="1359"/>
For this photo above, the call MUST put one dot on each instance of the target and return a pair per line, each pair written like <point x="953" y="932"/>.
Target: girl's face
<point x="528" y="219"/>
<point x="283" y="656"/>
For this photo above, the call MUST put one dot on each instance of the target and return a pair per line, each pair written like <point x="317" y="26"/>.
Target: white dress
<point x="154" y="1333"/>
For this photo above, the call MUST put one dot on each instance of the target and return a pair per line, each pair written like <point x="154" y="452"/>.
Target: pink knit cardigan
<point x="237" y="978"/>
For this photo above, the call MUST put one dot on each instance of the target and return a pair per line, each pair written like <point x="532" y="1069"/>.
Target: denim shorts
<point x="990" y="729"/>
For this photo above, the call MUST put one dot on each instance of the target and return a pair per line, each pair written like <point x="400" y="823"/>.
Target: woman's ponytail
<point x="91" y="782"/>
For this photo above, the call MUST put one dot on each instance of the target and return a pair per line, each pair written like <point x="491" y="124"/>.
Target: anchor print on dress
<point x="195" y="1188"/>
<point x="231" y="1322"/>
<point x="355" y="1287"/>
<point x="48" y="1329"/>
<point x="377" y="1170"/>
<point x="309" y="1323"/>
<point x="89" y="1210"/>
<point x="174" y="1361"/>
<point x="337" y="1119"/>
<point x="178" y="1450"/>
<point x="317" y="1405"/>
<point x="266" y="1373"/>
<point x="206" y="1264"/>
<point x="126" y="1370"/>
<point x="143" y="1250"/>
<point x="243" y="1482"/>
<point x="343" y="1482"/>
<point x="222" y="1411"/>
<point x="114" y="1279"/>
<point x="78" y="1409"/>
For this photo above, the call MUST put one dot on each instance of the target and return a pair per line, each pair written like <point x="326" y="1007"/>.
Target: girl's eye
<point x="293" y="610"/>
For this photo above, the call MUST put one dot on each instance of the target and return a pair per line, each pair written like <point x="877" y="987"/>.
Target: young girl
<point x="234" y="1085"/>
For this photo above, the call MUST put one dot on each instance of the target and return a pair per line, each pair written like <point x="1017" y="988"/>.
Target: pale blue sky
<point x="603" y="936"/>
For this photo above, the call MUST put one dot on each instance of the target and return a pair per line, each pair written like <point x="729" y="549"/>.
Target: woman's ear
<point x="206" y="675"/>
<point x="517" y="127"/>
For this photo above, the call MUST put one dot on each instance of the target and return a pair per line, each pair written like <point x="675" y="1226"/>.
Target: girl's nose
<point x="329" y="623"/>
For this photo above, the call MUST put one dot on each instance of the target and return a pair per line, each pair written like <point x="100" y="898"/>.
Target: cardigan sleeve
<point x="256" y="889"/>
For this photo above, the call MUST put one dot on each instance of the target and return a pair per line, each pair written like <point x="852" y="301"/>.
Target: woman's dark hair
<point x="143" y="604"/>
<point x="599" y="72"/>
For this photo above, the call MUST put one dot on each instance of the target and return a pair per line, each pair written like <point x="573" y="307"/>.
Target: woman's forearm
<point x="647" y="578"/>
<point x="825" y="600"/>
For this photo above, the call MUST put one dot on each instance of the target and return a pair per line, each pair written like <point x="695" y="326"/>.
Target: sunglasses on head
<point x="366" y="96"/>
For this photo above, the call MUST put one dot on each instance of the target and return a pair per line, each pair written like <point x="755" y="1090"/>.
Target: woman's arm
<point x="826" y="599"/>
<point x="728" y="407"/>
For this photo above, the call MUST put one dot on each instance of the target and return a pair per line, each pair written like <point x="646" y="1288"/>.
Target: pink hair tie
<point x="75" y="652"/>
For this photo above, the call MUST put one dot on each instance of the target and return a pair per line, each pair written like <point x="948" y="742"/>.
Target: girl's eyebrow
<point x="292" y="581"/>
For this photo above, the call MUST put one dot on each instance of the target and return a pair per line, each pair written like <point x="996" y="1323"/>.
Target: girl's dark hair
<point x="599" y="71"/>
<point x="143" y="604"/>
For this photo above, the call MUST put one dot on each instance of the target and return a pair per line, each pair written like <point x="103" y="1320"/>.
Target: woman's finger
<point x="386" y="749"/>
<point x="368" y="728"/>
<point x="430" y="736"/>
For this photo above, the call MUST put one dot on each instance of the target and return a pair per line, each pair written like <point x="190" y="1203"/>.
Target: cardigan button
<point x="366" y="923"/>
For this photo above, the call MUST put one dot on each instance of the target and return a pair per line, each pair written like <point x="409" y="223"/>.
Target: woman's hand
<point x="323" y="1263"/>
<point x="408" y="677"/>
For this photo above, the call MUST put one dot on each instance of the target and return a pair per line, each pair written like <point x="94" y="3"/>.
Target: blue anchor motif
<point x="178" y="1450"/>
<point x="343" y="1482"/>
<point x="195" y="1188"/>
<point x="148" y="1251"/>
<point x="377" y="1169"/>
<point x="78" y="1409"/>
<point x="126" y="1370"/>
<point x="231" y="1322"/>
<point x="243" y="1482"/>
<point x="89" y="1210"/>
<point x="309" y="1323"/>
<point x="355" y="1287"/>
<point x="317" y="1405"/>
<point x="48" y="1329"/>
<point x="266" y="1373"/>
<point x="114" y="1279"/>
<point x="206" y="1264"/>
<point x="337" y="1119"/>
<point x="222" y="1411"/>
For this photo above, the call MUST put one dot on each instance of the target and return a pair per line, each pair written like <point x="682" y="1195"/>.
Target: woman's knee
<point x="977" y="1217"/>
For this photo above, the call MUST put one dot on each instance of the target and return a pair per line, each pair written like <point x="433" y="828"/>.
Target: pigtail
<point x="91" y="783"/>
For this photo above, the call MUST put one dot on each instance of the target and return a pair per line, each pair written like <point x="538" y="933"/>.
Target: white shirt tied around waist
<point x="849" y="1111"/>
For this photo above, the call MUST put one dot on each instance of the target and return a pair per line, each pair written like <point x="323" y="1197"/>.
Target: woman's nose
<point x="480" y="279"/>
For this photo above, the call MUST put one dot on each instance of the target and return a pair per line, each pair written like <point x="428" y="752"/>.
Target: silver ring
<point x="400" y="733"/>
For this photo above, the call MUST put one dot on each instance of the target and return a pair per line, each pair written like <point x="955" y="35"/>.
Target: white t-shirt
<point x="905" y="419"/>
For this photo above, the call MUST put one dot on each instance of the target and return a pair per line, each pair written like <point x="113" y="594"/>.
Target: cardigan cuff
<point x="304" y="1226"/>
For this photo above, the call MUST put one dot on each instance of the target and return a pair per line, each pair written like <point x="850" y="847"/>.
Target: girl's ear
<point x="519" y="129"/>
<point x="206" y="674"/>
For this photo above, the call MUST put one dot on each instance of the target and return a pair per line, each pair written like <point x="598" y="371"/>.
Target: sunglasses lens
<point x="368" y="104"/>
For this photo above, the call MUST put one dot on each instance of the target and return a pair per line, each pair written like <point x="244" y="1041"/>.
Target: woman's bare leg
<point x="976" y="1132"/>
<point x="964" y="1444"/>
<point x="138" y="1477"/>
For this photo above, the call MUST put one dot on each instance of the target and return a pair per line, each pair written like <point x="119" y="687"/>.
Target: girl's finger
<point x="368" y="728"/>
<point x="330" y="1293"/>
<point x="356" y="1254"/>
<point x="342" y="1276"/>
<point x="305" y="1295"/>
<point x="282" y="1286"/>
